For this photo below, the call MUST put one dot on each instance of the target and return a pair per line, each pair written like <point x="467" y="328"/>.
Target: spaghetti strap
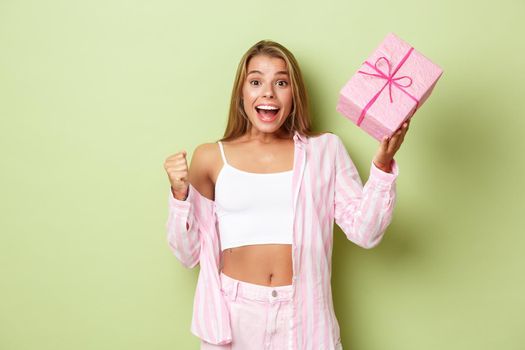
<point x="222" y="152"/>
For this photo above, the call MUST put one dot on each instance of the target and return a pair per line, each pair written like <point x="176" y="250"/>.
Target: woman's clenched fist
<point x="177" y="169"/>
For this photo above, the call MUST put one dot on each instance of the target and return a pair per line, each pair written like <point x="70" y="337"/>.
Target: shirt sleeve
<point x="363" y="212"/>
<point x="182" y="229"/>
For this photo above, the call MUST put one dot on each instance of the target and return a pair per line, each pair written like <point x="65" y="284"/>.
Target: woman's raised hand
<point x="177" y="169"/>
<point x="388" y="148"/>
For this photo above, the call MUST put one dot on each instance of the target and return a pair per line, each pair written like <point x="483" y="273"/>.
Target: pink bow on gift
<point x="390" y="80"/>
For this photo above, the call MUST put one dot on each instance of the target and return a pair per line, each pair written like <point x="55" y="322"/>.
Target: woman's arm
<point x="183" y="230"/>
<point x="364" y="212"/>
<point x="182" y="226"/>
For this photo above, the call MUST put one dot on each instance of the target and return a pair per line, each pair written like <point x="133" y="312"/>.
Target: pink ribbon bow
<point x="390" y="80"/>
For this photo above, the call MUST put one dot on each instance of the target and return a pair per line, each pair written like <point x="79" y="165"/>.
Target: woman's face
<point x="267" y="93"/>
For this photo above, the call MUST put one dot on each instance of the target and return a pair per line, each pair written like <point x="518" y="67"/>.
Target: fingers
<point x="395" y="141"/>
<point x="176" y="159"/>
<point x="383" y="147"/>
<point x="389" y="146"/>
<point x="402" y="132"/>
<point x="179" y="155"/>
<point x="177" y="167"/>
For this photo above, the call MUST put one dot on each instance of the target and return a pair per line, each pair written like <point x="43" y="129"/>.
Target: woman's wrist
<point x="383" y="167"/>
<point x="179" y="196"/>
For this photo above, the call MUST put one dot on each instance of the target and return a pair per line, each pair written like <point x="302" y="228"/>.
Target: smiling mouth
<point x="267" y="113"/>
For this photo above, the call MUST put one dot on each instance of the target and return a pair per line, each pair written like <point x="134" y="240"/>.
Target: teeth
<point x="269" y="108"/>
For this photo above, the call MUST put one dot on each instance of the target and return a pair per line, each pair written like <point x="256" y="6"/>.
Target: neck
<point x="265" y="137"/>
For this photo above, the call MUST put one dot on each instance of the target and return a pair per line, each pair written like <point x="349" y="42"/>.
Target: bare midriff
<point x="262" y="264"/>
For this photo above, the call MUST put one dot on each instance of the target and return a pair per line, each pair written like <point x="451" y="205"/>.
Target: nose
<point x="268" y="92"/>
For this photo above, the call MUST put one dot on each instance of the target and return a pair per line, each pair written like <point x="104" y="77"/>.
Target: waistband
<point x="233" y="288"/>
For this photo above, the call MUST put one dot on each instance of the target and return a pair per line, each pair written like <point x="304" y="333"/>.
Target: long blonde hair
<point x="299" y="118"/>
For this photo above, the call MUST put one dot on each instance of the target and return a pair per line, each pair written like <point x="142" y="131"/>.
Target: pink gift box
<point x="388" y="88"/>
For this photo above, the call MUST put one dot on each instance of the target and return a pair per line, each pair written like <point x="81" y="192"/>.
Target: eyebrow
<point x="278" y="73"/>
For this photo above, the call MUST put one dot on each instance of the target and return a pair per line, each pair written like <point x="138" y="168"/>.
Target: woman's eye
<point x="254" y="82"/>
<point x="282" y="83"/>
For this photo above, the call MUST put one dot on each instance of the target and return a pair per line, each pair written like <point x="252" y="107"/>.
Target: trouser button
<point x="274" y="293"/>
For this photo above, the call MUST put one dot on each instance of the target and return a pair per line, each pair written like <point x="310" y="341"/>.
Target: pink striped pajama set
<point x="326" y="187"/>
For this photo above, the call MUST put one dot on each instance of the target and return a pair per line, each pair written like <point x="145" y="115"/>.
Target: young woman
<point x="256" y="211"/>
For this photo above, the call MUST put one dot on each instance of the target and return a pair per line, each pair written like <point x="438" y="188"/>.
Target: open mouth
<point x="267" y="113"/>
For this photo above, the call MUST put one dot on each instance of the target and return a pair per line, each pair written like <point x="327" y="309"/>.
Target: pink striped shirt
<point x="325" y="187"/>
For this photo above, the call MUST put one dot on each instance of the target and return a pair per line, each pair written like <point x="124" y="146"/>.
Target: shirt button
<point x="274" y="293"/>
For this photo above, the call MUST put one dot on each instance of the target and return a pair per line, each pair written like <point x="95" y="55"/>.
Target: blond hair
<point x="299" y="118"/>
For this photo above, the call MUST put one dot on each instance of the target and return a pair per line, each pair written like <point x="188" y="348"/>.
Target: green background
<point x="94" y="95"/>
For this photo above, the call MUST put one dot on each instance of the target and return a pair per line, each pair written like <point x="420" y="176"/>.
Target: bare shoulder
<point x="205" y="151"/>
<point x="201" y="168"/>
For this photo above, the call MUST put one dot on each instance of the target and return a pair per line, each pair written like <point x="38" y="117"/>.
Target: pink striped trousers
<point x="261" y="316"/>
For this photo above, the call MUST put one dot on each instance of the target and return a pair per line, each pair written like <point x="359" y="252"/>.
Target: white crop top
<point x="253" y="208"/>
